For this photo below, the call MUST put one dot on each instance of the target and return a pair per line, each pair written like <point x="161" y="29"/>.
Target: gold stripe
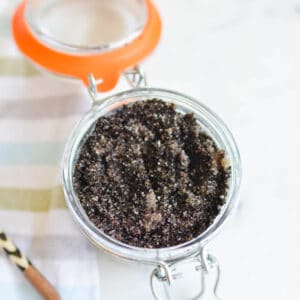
<point x="39" y="200"/>
<point x="14" y="66"/>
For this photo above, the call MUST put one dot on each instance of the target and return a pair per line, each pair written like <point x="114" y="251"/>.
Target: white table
<point x="242" y="58"/>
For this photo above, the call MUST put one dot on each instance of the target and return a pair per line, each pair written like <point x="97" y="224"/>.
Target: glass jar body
<point x="209" y="122"/>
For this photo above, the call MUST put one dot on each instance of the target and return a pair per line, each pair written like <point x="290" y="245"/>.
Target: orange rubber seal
<point x="108" y="66"/>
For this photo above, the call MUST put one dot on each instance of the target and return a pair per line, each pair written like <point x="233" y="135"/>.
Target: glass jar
<point x="98" y="61"/>
<point x="209" y="122"/>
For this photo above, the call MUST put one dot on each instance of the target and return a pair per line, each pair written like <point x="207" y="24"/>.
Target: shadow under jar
<point x="210" y="123"/>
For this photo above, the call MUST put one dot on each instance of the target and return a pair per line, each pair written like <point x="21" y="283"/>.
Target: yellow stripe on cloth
<point x="32" y="199"/>
<point x="13" y="66"/>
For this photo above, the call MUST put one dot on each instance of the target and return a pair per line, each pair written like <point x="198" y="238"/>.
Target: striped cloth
<point x="37" y="113"/>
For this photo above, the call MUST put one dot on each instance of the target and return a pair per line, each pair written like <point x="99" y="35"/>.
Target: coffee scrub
<point x="150" y="177"/>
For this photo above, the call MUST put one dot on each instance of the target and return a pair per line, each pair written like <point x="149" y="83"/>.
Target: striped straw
<point x="31" y="273"/>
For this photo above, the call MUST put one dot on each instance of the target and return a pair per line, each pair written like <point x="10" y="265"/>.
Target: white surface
<point x="242" y="59"/>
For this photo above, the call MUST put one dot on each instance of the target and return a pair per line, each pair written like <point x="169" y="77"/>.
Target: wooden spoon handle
<point x="31" y="273"/>
<point x="41" y="283"/>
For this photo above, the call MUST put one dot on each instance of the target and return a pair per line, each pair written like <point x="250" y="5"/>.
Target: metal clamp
<point x="92" y="87"/>
<point x="135" y="77"/>
<point x="206" y="263"/>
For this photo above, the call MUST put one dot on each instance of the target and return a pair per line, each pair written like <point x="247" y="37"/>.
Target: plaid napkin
<point x="37" y="113"/>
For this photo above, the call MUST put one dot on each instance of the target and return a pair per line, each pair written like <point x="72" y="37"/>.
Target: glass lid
<point x="86" y="26"/>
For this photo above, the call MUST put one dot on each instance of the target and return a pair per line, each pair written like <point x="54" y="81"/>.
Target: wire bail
<point x="206" y="263"/>
<point x="135" y="77"/>
<point x="92" y="87"/>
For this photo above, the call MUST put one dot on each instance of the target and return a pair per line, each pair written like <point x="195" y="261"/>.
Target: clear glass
<point x="86" y="26"/>
<point x="210" y="122"/>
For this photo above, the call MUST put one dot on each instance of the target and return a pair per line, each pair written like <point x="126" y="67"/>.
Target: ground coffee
<point x="148" y="176"/>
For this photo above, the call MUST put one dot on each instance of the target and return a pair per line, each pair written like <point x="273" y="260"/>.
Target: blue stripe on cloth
<point x="26" y="292"/>
<point x="31" y="153"/>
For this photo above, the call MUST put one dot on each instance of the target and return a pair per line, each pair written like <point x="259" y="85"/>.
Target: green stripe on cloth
<point x="31" y="153"/>
<point x="13" y="66"/>
<point x="31" y="199"/>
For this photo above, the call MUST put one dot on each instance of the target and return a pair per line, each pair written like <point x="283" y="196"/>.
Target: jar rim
<point x="51" y="39"/>
<point x="151" y="255"/>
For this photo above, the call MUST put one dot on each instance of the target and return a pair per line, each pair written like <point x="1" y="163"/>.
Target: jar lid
<point x="99" y="37"/>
